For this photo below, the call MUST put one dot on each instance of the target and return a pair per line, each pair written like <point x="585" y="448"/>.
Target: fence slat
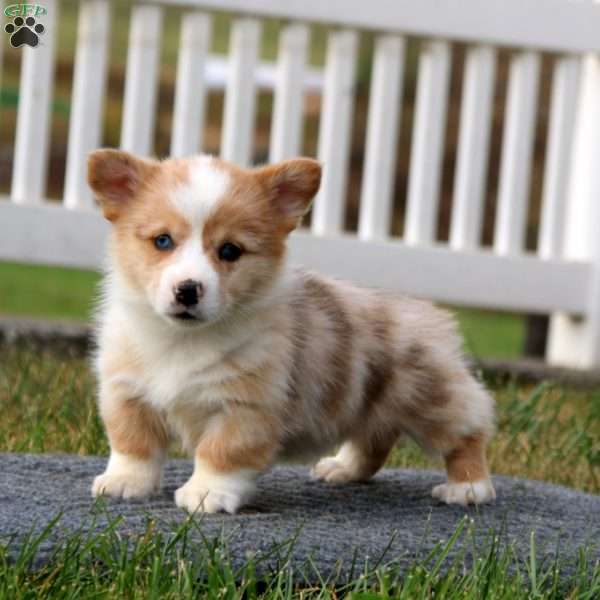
<point x="473" y="147"/>
<point x="240" y="95"/>
<point x="560" y="140"/>
<point x="190" y="86"/>
<point x="428" y="142"/>
<point x="89" y="83"/>
<point x="139" y="110"/>
<point x="334" y="132"/>
<point x="517" y="147"/>
<point x="468" y="278"/>
<point x="286" y="124"/>
<point x="33" y="118"/>
<point x="576" y="342"/>
<point x="382" y="133"/>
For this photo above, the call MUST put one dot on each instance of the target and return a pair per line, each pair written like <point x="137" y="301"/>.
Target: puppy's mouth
<point x="184" y="316"/>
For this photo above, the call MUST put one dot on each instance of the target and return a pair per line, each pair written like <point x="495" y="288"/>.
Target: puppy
<point x="205" y="333"/>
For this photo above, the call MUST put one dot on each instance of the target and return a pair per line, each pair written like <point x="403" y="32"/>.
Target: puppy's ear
<point x="115" y="176"/>
<point x="292" y="184"/>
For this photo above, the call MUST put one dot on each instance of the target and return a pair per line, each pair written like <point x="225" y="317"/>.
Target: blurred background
<point x="68" y="294"/>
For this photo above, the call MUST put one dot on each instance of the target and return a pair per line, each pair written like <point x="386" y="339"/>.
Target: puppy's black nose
<point x="188" y="292"/>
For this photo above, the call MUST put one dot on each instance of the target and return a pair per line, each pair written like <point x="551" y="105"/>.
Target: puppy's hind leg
<point x="452" y="414"/>
<point x="358" y="459"/>
<point x="468" y="476"/>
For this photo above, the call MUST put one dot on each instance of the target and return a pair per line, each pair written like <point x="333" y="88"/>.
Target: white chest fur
<point x="175" y="367"/>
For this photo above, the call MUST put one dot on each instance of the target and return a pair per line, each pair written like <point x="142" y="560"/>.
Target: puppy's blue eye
<point x="163" y="242"/>
<point x="229" y="252"/>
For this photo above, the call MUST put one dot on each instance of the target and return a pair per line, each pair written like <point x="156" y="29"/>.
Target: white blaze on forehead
<point x="208" y="184"/>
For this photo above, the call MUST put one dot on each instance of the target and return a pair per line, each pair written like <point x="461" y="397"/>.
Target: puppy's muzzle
<point x="188" y="292"/>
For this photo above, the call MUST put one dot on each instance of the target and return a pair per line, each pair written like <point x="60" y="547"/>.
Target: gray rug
<point x="391" y="519"/>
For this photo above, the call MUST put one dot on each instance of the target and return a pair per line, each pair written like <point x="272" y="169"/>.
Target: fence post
<point x="32" y="140"/>
<point x="573" y="341"/>
<point x="141" y="78"/>
<point x="87" y="104"/>
<point x="237" y="134"/>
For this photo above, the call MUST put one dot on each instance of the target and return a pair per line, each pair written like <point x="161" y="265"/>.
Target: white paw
<point x="470" y="492"/>
<point x="128" y="477"/>
<point x="196" y="497"/>
<point x="333" y="470"/>
<point x="123" y="485"/>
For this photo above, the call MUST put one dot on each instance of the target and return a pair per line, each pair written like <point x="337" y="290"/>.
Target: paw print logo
<point x="24" y="32"/>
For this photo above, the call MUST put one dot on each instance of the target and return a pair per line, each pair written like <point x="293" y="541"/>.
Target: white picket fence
<point x="562" y="278"/>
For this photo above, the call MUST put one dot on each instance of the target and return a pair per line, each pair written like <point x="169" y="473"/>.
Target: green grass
<point x="500" y="335"/>
<point x="186" y="564"/>
<point x="57" y="293"/>
<point x="36" y="291"/>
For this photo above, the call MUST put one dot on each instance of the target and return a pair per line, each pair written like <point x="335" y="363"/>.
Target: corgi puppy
<point x="206" y="334"/>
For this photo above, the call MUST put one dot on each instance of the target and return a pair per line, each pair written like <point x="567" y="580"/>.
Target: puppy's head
<point x="198" y="238"/>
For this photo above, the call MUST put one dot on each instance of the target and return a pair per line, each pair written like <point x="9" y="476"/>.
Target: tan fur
<point x="467" y="461"/>
<point x="134" y="428"/>
<point x="288" y="365"/>
<point x="244" y="439"/>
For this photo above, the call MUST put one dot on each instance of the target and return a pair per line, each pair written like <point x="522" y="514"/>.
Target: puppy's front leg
<point x="235" y="448"/>
<point x="138" y="442"/>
